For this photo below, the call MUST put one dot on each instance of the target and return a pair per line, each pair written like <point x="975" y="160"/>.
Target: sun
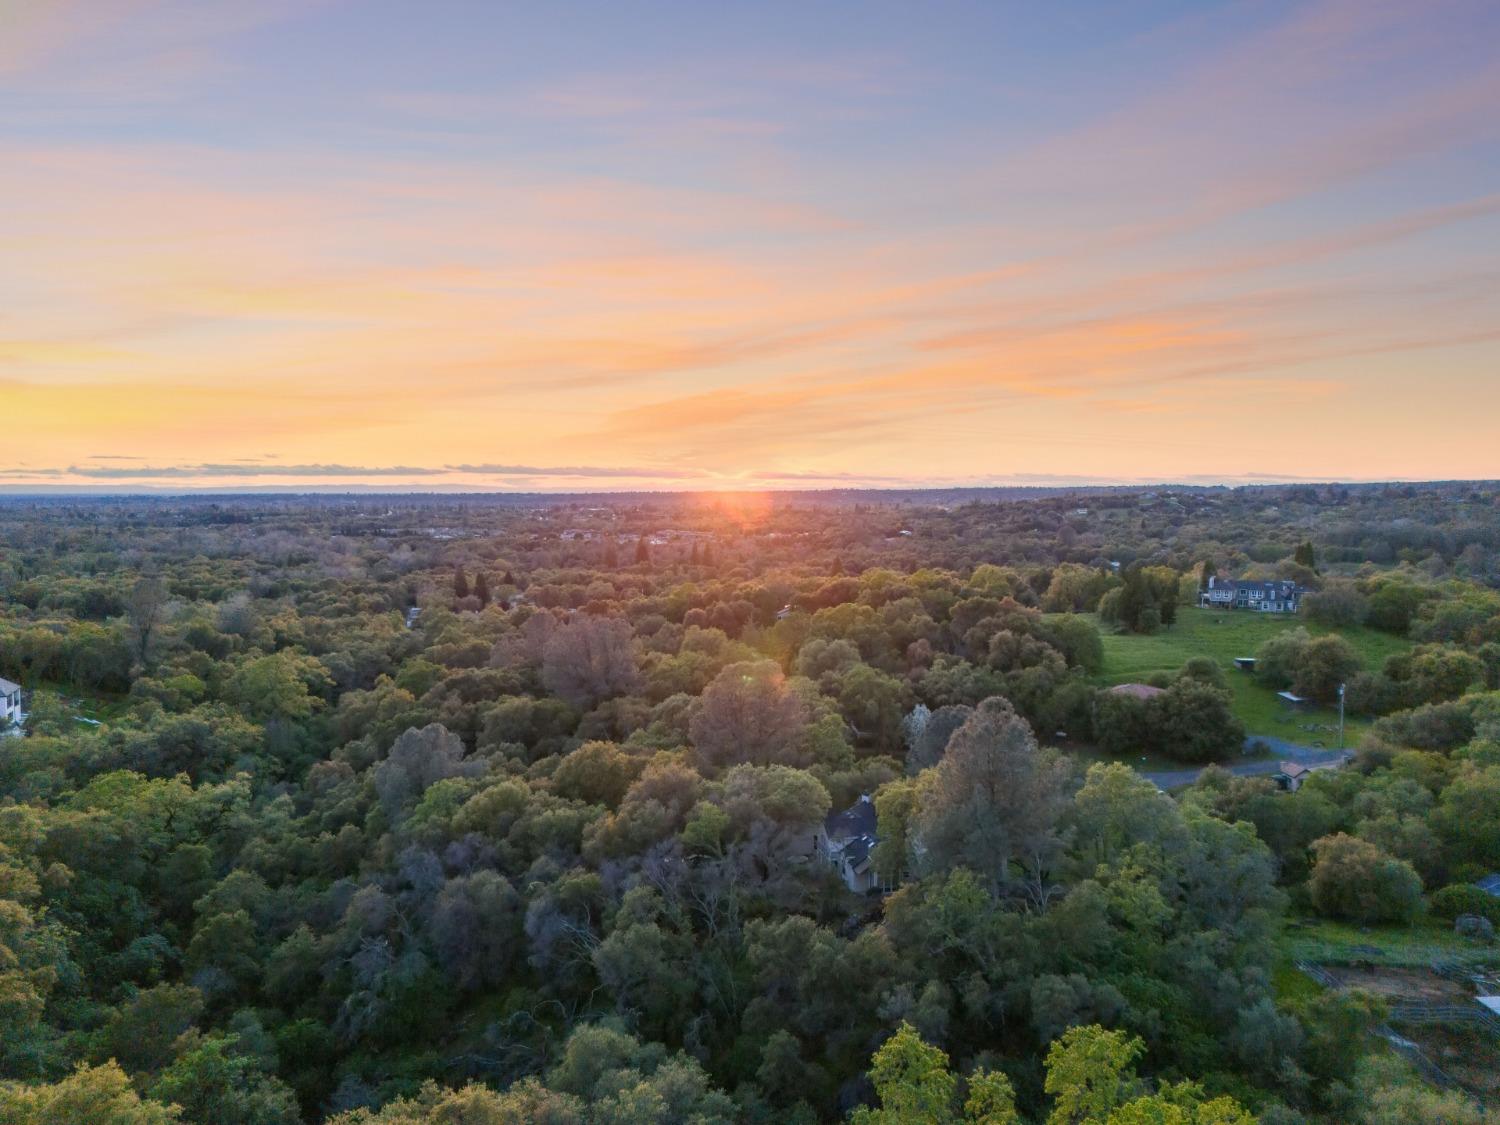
<point x="745" y="510"/>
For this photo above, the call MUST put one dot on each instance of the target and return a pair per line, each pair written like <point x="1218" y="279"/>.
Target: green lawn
<point x="1421" y="943"/>
<point x="1226" y="634"/>
<point x="1089" y="754"/>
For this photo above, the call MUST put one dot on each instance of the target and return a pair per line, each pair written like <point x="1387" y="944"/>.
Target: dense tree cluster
<point x="403" y="811"/>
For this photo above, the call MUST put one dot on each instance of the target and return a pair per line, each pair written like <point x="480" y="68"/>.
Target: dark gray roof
<point x="857" y="820"/>
<point x="858" y="850"/>
<point x="1282" y="588"/>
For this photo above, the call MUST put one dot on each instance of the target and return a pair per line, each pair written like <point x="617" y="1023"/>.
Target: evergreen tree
<point x="611" y="555"/>
<point x="460" y="583"/>
<point x="1306" y="556"/>
<point x="642" y="551"/>
<point x="1210" y="568"/>
<point x="693" y="557"/>
<point x="482" y="589"/>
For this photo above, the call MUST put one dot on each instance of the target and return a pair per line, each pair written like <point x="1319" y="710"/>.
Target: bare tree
<point x="145" y="609"/>
<point x="589" y="660"/>
<point x="749" y="714"/>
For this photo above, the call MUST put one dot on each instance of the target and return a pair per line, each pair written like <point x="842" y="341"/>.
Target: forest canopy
<point x="618" y="809"/>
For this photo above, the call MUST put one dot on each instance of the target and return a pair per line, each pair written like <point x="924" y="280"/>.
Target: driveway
<point x="1281" y="750"/>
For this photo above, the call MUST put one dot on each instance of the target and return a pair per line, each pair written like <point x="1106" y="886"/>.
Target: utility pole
<point x="1341" y="716"/>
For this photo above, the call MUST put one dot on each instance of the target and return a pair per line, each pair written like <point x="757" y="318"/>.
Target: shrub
<point x="1464" y="898"/>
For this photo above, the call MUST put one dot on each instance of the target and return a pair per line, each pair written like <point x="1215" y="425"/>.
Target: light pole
<point x="1341" y="716"/>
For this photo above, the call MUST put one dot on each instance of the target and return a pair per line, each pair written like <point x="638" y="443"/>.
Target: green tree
<point x="912" y="1081"/>
<point x="1195" y="722"/>
<point x="1323" y="664"/>
<point x="285" y="685"/>
<point x="212" y="1082"/>
<point x="993" y="803"/>
<point x="914" y="1087"/>
<point x="1352" y="878"/>
<point x="1090" y="1074"/>
<point x="91" y="1095"/>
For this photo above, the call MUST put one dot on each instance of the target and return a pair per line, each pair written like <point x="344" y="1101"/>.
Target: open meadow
<point x="1224" y="635"/>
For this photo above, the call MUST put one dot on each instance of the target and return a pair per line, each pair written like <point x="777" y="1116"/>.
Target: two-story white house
<point x="10" y="703"/>
<point x="1280" y="596"/>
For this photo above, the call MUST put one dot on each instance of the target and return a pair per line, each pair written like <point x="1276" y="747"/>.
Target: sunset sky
<point x="742" y="245"/>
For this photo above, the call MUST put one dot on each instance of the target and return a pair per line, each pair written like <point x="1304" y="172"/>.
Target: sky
<point x="577" y="246"/>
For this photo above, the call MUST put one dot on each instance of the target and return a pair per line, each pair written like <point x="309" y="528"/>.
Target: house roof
<point x="1294" y="769"/>
<point x="1490" y="884"/>
<point x="6" y="687"/>
<point x="857" y="851"/>
<point x="857" y="820"/>
<point x="1280" y="587"/>
<point x="1139" y="691"/>
<point x="1289" y="697"/>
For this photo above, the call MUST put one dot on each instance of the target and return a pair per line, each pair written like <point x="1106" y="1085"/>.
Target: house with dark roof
<point x="846" y="842"/>
<point x="1281" y="596"/>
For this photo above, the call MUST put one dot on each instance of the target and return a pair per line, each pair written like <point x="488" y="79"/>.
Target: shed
<point x="1293" y="701"/>
<point x="1245" y="663"/>
<point x="1291" y="775"/>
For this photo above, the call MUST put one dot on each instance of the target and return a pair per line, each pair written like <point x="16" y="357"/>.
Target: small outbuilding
<point x="1293" y="702"/>
<point x="1245" y="663"/>
<point x="1290" y="776"/>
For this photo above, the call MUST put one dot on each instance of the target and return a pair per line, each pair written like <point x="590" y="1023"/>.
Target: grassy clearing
<point x="1223" y="635"/>
<point x="100" y="707"/>
<point x="1290" y="983"/>
<point x="1149" y="763"/>
<point x="1420" y="944"/>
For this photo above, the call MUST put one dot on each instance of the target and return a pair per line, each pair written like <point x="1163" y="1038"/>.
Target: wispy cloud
<point x="245" y="469"/>
<point x="761" y="258"/>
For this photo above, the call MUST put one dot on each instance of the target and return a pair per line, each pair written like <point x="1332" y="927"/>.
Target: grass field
<point x="1420" y="944"/>
<point x="1225" y="634"/>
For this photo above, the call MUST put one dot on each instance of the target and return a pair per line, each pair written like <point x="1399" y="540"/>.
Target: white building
<point x="10" y="703"/>
<point x="1263" y="597"/>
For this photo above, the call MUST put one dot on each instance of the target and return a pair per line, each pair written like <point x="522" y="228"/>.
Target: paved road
<point x="1281" y="749"/>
